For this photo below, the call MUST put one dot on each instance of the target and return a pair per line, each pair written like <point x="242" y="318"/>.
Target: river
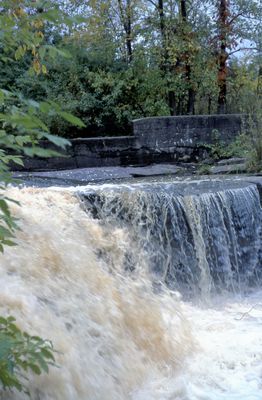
<point x="109" y="285"/>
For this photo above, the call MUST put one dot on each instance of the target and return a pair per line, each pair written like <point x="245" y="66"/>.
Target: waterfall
<point x="191" y="242"/>
<point x="113" y="274"/>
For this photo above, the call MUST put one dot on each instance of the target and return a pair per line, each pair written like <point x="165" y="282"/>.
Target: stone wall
<point x="155" y="140"/>
<point x="168" y="133"/>
<point x="92" y="152"/>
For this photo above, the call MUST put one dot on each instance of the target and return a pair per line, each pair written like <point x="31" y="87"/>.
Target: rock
<point x="83" y="176"/>
<point x="186" y="158"/>
<point x="208" y="161"/>
<point x="233" y="160"/>
<point x="153" y="170"/>
<point x="228" y="169"/>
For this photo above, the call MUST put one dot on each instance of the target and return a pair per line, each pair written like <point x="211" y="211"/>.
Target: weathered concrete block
<point x="186" y="131"/>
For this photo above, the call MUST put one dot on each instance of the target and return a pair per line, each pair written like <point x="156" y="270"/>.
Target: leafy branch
<point x="19" y="353"/>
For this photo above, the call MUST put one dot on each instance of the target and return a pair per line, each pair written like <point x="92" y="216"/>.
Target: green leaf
<point x="58" y="141"/>
<point x="4" y="207"/>
<point x="18" y="161"/>
<point x="10" y="319"/>
<point x="47" y="354"/>
<point x="43" y="364"/>
<point x="45" y="107"/>
<point x="44" y="69"/>
<point x="6" y="344"/>
<point x="39" y="152"/>
<point x="12" y="200"/>
<point x="72" y="119"/>
<point x="4" y="232"/>
<point x="9" y="243"/>
<point x="35" y="368"/>
<point x="2" y="97"/>
<point x="3" y="321"/>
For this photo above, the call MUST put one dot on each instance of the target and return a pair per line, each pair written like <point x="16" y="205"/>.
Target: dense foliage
<point x="138" y="58"/>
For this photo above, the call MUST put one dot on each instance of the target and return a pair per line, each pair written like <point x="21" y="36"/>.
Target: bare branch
<point x="242" y="49"/>
<point x="153" y="3"/>
<point x="235" y="17"/>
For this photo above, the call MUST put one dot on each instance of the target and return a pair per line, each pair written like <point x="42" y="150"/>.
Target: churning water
<point x="143" y="289"/>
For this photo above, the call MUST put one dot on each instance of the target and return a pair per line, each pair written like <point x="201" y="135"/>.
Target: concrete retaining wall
<point x="167" y="133"/>
<point x="157" y="139"/>
<point x="92" y="152"/>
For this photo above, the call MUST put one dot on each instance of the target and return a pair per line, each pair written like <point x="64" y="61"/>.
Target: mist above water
<point x="88" y="282"/>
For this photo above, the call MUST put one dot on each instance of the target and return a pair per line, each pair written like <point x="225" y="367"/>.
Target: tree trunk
<point x="191" y="94"/>
<point x="223" y="56"/>
<point x="162" y="22"/>
<point x="183" y="10"/>
<point x="222" y="85"/>
<point x="259" y="82"/>
<point x="126" y="19"/>
<point x="209" y="104"/>
<point x="165" y="64"/>
<point x="190" y="107"/>
<point x="172" y="102"/>
<point x="129" y="32"/>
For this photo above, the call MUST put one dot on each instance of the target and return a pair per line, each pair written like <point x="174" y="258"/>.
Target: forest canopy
<point x="126" y="59"/>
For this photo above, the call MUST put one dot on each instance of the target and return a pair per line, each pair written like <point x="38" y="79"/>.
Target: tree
<point x="236" y="21"/>
<point x="126" y="18"/>
<point x="136" y="58"/>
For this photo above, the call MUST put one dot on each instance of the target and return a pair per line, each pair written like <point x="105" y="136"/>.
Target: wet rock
<point x="154" y="170"/>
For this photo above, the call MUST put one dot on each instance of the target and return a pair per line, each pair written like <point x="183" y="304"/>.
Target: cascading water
<point x="189" y="241"/>
<point x="93" y="271"/>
